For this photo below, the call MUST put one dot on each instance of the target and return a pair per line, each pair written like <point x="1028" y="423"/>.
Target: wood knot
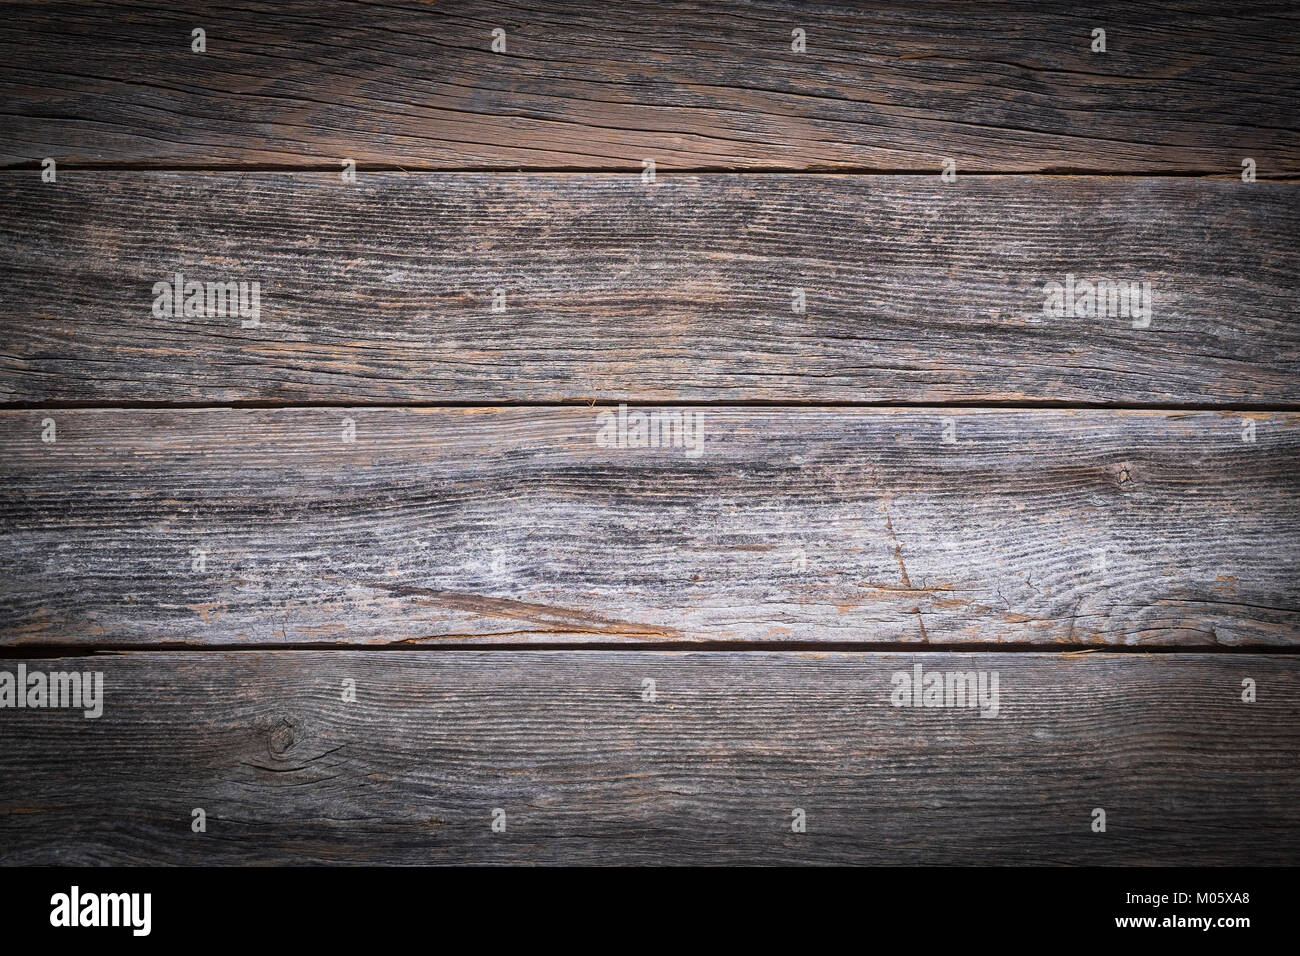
<point x="281" y="736"/>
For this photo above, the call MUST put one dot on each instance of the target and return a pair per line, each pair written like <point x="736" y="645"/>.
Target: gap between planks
<point x="52" y="651"/>
<point x="836" y="172"/>
<point x="973" y="405"/>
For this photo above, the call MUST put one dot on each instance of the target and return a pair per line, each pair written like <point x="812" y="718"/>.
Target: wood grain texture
<point x="587" y="771"/>
<point x="381" y="292"/>
<point x="1184" y="86"/>
<point x="515" y="526"/>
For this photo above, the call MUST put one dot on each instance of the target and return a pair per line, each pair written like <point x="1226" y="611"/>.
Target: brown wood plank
<point x="517" y="526"/>
<point x="1190" y="85"/>
<point x="914" y="291"/>
<point x="710" y="771"/>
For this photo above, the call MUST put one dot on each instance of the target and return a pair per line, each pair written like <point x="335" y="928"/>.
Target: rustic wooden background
<point x="919" y="468"/>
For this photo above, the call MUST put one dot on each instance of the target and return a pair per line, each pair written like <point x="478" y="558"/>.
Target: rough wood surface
<point x="710" y="771"/>
<point x="915" y="291"/>
<point x="1186" y="86"/>
<point x="515" y="526"/>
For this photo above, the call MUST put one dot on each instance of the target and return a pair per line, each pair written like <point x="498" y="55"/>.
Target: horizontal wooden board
<point x="914" y="291"/>
<point x="1189" y="85"/>
<point x="587" y="770"/>
<point x="518" y="526"/>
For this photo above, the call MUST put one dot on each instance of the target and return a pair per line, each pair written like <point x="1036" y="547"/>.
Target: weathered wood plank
<point x="914" y="291"/>
<point x="997" y="86"/>
<point x="518" y="526"/>
<point x="587" y="770"/>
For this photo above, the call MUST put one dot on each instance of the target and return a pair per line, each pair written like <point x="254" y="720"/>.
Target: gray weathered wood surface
<point x="382" y="292"/>
<point x="588" y="771"/>
<point x="1185" y="86"/>
<point x="481" y="525"/>
<point x="497" y="585"/>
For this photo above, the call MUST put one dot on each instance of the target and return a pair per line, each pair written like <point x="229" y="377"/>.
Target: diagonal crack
<point x="902" y="566"/>
<point x="556" y="619"/>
